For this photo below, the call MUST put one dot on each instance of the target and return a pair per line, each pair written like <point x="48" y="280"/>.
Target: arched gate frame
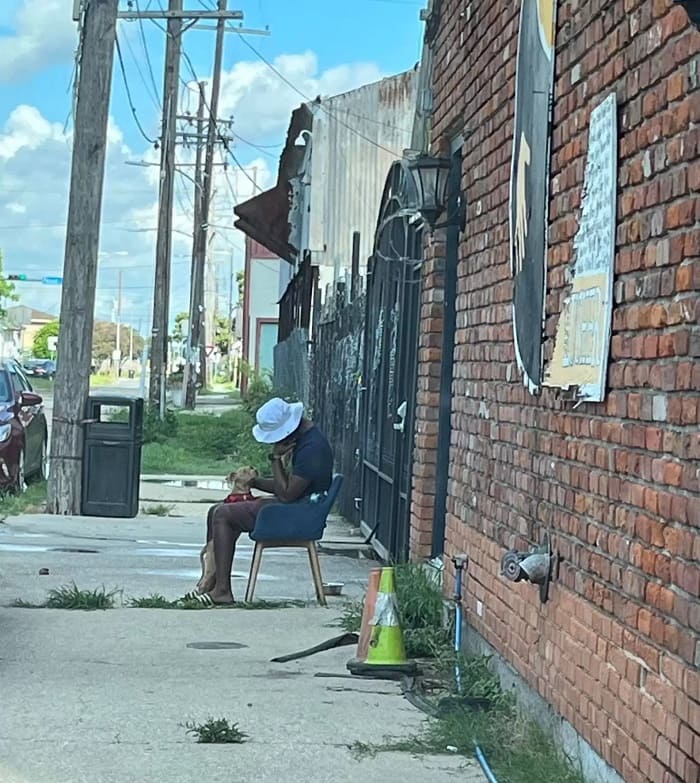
<point x="390" y="368"/>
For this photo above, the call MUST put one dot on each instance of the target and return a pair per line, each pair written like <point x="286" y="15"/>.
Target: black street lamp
<point x="431" y="177"/>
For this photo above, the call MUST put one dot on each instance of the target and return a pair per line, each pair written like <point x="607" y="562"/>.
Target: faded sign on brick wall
<point x="529" y="183"/>
<point x="582" y="342"/>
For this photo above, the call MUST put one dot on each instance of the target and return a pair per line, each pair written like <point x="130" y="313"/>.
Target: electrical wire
<point x="325" y="109"/>
<point x="153" y="96"/>
<point x="261" y="147"/>
<point x="148" y="58"/>
<point x="128" y="94"/>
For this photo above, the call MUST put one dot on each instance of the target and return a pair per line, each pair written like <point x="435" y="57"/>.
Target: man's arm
<point x="285" y="488"/>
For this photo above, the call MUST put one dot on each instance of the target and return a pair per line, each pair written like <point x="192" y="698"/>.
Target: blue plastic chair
<point x="293" y="525"/>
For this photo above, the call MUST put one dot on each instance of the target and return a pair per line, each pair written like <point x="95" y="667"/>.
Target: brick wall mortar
<point x="618" y="483"/>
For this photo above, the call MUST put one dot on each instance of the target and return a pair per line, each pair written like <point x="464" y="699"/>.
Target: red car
<point x="23" y="430"/>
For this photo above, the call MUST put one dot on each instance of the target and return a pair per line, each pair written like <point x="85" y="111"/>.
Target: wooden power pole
<point x="161" y="295"/>
<point x="197" y="312"/>
<point x="197" y="281"/>
<point x="72" y="385"/>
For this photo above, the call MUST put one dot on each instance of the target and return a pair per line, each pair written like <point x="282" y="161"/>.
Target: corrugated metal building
<point x="331" y="175"/>
<point x="356" y="137"/>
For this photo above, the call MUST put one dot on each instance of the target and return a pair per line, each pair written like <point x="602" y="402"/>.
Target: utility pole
<point x="119" y="326"/>
<point x="230" y="319"/>
<point x="197" y="280"/>
<point x="94" y="82"/>
<point x="161" y="295"/>
<point x="202" y="245"/>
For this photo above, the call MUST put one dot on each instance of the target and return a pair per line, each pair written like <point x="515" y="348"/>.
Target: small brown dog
<point x="239" y="485"/>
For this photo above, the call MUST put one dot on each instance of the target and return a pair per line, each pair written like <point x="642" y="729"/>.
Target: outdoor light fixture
<point x="431" y="178"/>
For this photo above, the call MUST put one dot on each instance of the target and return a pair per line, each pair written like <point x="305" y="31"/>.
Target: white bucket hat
<point x="277" y="420"/>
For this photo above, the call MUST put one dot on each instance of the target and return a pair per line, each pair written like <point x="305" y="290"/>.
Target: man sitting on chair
<point x="310" y="472"/>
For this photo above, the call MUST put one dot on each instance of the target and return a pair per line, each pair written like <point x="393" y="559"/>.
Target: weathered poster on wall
<point x="582" y="341"/>
<point x="529" y="183"/>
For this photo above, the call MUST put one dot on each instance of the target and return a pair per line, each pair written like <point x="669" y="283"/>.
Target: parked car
<point x="40" y="368"/>
<point x="23" y="430"/>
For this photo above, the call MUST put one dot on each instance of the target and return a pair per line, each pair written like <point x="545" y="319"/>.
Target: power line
<point x="258" y="146"/>
<point x="32" y="226"/>
<point x="148" y="58"/>
<point x="153" y="96"/>
<point x="128" y="94"/>
<point x="261" y="147"/>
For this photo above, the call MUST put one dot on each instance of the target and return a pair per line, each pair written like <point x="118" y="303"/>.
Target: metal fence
<point x="335" y="389"/>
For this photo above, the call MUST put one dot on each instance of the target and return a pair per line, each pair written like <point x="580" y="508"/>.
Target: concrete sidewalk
<point x="100" y="697"/>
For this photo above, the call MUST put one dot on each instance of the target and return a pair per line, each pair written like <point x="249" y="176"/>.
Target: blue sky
<point x="321" y="47"/>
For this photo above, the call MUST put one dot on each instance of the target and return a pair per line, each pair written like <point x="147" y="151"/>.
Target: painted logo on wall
<point x="529" y="183"/>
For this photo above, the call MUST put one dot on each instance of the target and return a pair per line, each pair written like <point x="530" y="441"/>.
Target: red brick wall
<point x="615" y="650"/>
<point x="427" y="401"/>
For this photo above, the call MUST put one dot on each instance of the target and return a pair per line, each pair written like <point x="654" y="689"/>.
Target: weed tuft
<point x="351" y="618"/>
<point x="70" y="597"/>
<point x="216" y="730"/>
<point x="153" y="601"/>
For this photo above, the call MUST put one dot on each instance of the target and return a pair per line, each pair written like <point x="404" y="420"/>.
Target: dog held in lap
<point x="239" y="491"/>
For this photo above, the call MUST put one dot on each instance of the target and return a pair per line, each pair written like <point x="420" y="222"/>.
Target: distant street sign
<point x="52" y="342"/>
<point x="52" y="280"/>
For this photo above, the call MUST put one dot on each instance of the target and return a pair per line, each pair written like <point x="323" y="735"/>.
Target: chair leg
<point x="316" y="572"/>
<point x="254" y="571"/>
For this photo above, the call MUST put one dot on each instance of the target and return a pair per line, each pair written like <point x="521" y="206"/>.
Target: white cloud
<point x="35" y="159"/>
<point x="44" y="35"/>
<point x="261" y="102"/>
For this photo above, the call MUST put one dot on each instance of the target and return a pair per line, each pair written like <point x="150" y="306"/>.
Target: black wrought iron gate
<point x="389" y="373"/>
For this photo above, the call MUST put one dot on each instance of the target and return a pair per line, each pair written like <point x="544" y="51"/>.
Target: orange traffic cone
<point x="368" y="613"/>
<point x="380" y="648"/>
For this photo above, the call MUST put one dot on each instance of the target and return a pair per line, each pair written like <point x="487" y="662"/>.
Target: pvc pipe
<point x="459" y="563"/>
<point x="484" y="765"/>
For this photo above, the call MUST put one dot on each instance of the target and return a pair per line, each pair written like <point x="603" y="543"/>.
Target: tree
<point x="240" y="282"/>
<point x="7" y="292"/>
<point x="178" y="332"/>
<point x="222" y="333"/>
<point x="40" y="347"/>
<point x="104" y="340"/>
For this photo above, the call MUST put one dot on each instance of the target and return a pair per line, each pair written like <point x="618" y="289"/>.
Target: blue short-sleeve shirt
<point x="313" y="460"/>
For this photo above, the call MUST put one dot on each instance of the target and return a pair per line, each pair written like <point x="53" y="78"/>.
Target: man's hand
<point x="281" y="450"/>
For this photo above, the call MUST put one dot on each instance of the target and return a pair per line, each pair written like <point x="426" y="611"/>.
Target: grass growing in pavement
<point x="216" y="730"/>
<point x="204" y="444"/>
<point x="157" y="601"/>
<point x="34" y="499"/>
<point x="71" y="597"/>
<point x="517" y="749"/>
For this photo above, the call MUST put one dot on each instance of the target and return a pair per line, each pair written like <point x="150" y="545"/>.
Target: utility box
<point x="112" y="456"/>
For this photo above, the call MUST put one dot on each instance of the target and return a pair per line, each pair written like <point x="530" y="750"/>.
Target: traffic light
<point x="16" y="277"/>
